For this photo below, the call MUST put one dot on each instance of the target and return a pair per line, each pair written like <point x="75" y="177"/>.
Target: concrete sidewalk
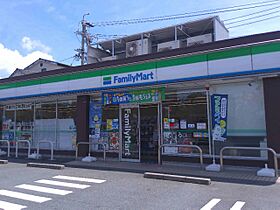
<point x="232" y="174"/>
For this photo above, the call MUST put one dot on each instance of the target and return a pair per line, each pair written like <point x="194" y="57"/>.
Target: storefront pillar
<point x="82" y="125"/>
<point x="272" y="114"/>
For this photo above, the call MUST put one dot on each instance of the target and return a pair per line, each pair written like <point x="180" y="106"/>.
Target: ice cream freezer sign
<point x="129" y="78"/>
<point x="219" y="108"/>
<point x="134" y="97"/>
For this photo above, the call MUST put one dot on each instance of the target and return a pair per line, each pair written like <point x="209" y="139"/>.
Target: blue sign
<point x="219" y="109"/>
<point x="130" y="78"/>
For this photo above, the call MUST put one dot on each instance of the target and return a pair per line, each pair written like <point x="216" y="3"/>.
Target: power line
<point x="190" y="14"/>
<point x="261" y="11"/>
<point x="201" y="11"/>
<point x="110" y="35"/>
<point x="66" y="59"/>
<point x="254" y="22"/>
<point x="259" y="16"/>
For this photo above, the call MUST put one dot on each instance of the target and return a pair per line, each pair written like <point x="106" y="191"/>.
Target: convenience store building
<point x="138" y="103"/>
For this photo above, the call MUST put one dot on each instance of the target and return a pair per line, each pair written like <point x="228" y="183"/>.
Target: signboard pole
<point x="212" y="146"/>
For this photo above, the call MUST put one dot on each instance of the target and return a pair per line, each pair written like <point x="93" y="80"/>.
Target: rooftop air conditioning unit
<point x="169" y="45"/>
<point x="135" y="48"/>
<point x="109" y="58"/>
<point x="197" y="40"/>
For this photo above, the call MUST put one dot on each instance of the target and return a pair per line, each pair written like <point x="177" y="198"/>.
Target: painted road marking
<point x="72" y="178"/>
<point x="43" y="189"/>
<point x="23" y="196"/>
<point x="10" y="206"/>
<point x="63" y="184"/>
<point x="238" y="205"/>
<point x="211" y="204"/>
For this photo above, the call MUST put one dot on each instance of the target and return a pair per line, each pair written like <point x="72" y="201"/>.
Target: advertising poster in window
<point x="219" y="109"/>
<point x="95" y="119"/>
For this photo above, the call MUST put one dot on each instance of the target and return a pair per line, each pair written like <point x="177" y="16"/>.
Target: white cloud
<point x="31" y="45"/>
<point x="50" y="9"/>
<point x="12" y="59"/>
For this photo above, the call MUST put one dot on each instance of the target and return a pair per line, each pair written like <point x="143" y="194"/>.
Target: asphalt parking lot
<point x="22" y="187"/>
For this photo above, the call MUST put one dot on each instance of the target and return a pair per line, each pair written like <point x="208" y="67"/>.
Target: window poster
<point x="191" y="126"/>
<point x="95" y="120"/>
<point x="109" y="123"/>
<point x="115" y="124"/>
<point x="183" y="124"/>
<point x="166" y="123"/>
<point x="113" y="141"/>
<point x="201" y="126"/>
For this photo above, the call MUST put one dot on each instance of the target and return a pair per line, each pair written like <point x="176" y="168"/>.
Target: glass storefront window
<point x="246" y="119"/>
<point x="103" y="125"/>
<point x="8" y="123"/>
<point x="45" y="123"/>
<point x="24" y="121"/>
<point x="110" y="127"/>
<point x="185" y="122"/>
<point x="66" y="127"/>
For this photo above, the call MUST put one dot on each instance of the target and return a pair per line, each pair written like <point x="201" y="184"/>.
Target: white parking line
<point x="63" y="184"/>
<point x="211" y="204"/>
<point x="72" y="178"/>
<point x="43" y="189"/>
<point x="23" y="196"/>
<point x="10" y="206"/>
<point x="238" y="205"/>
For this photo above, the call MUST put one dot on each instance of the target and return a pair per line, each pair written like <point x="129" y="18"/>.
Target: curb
<point x="3" y="161"/>
<point x="178" y="178"/>
<point x="46" y="165"/>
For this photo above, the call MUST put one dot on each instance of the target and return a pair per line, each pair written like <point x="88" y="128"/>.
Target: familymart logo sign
<point x="129" y="78"/>
<point x="107" y="80"/>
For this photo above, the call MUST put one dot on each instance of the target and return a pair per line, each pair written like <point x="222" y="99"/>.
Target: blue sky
<point x="30" y="29"/>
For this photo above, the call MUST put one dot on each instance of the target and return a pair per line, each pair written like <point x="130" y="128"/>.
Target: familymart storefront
<point x="134" y="123"/>
<point x="136" y="107"/>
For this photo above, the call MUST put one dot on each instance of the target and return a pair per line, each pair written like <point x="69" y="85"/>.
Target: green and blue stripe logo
<point x="107" y="80"/>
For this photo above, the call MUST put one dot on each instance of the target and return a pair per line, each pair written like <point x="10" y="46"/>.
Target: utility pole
<point x="84" y="35"/>
<point x="84" y="30"/>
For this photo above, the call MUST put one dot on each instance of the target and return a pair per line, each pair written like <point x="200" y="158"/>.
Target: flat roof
<point x="186" y="28"/>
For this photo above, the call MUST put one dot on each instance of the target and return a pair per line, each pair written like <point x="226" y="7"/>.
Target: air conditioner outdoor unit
<point x="109" y="58"/>
<point x="135" y="48"/>
<point x="169" y="45"/>
<point x="197" y="40"/>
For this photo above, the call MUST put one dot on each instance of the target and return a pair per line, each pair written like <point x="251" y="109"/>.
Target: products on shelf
<point x="23" y="130"/>
<point x="180" y="132"/>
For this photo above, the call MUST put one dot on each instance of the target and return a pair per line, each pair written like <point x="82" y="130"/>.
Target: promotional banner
<point x="219" y="109"/>
<point x="138" y="96"/>
<point x="95" y="119"/>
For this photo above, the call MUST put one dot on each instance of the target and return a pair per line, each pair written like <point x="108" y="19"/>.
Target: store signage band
<point x="219" y="108"/>
<point x="138" y="96"/>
